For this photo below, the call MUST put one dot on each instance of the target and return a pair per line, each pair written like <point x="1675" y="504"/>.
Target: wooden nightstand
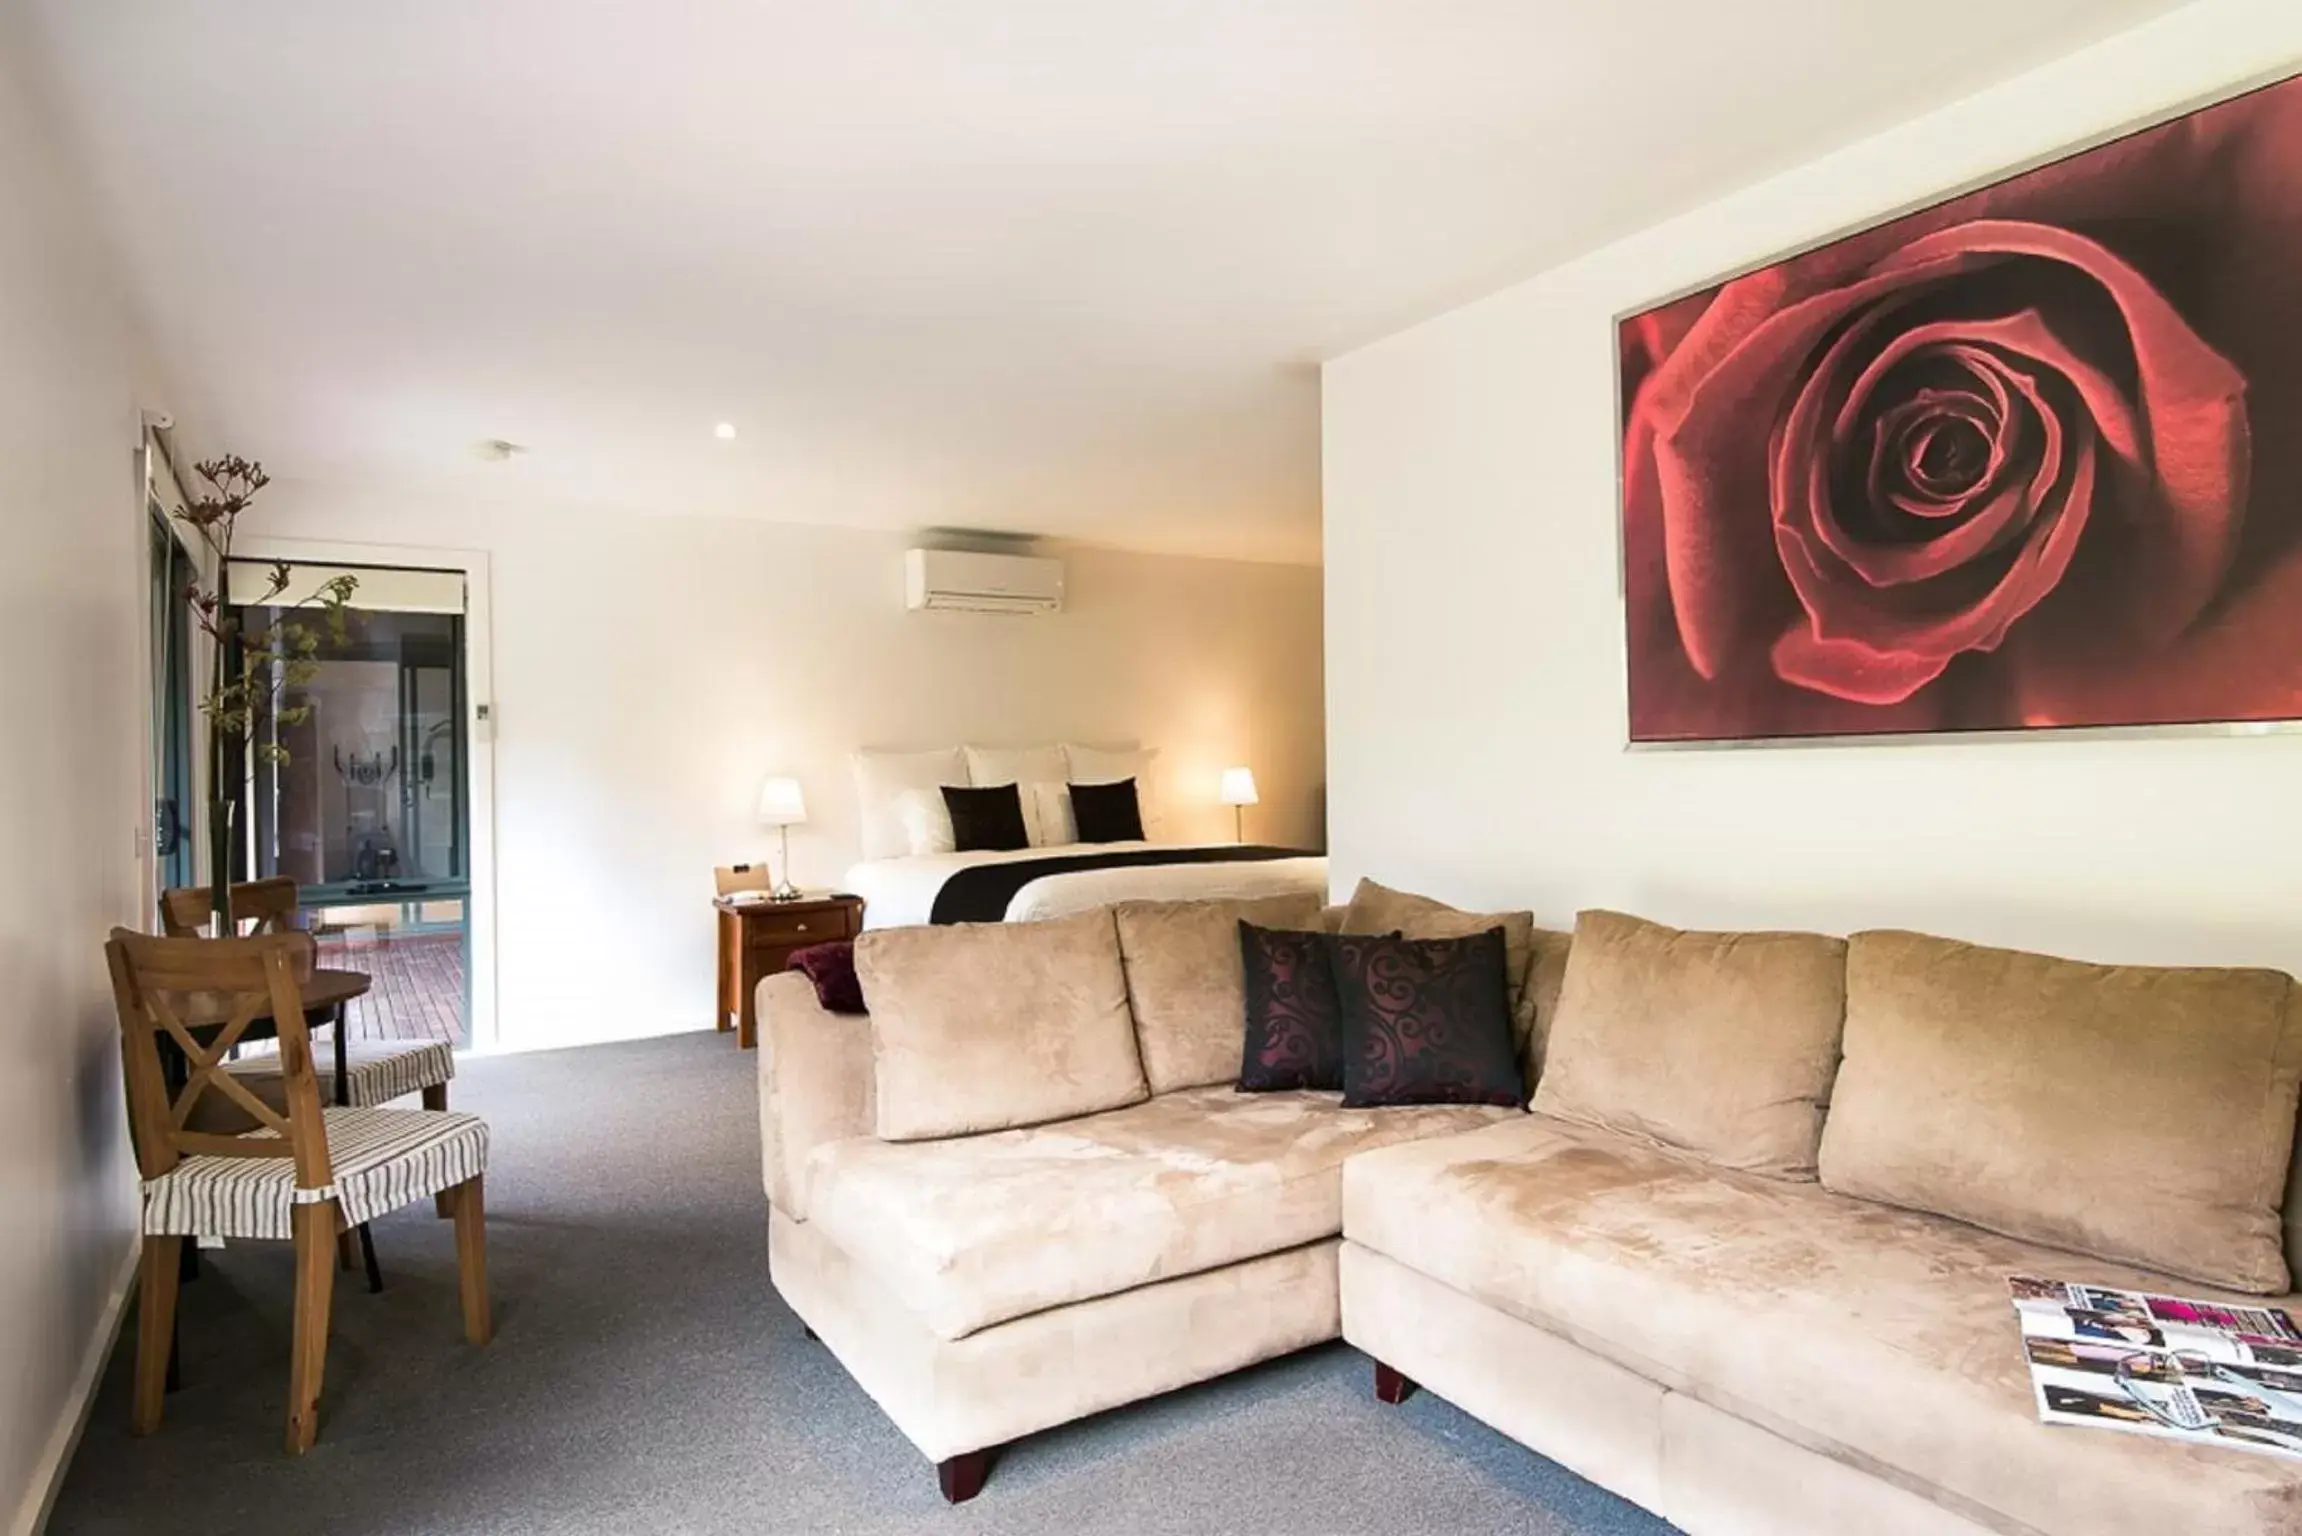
<point x="756" y="938"/>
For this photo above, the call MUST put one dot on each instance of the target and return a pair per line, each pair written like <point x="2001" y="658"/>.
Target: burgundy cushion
<point x="1426" y="1021"/>
<point x="832" y="968"/>
<point x="1294" y="1020"/>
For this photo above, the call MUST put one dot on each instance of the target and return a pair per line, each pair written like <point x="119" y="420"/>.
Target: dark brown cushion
<point x="1294" y="1019"/>
<point x="1426" y="1021"/>
<point x="1107" y="813"/>
<point x="986" y="819"/>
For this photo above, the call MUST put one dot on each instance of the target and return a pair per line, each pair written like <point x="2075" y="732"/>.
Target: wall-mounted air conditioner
<point x="970" y="583"/>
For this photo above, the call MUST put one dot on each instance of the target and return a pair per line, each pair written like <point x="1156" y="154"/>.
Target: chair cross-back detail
<point x="304" y="1171"/>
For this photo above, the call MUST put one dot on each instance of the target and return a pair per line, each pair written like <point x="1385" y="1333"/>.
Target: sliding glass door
<point x="366" y="802"/>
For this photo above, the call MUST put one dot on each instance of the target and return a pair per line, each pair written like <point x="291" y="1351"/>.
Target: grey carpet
<point x="645" y="1378"/>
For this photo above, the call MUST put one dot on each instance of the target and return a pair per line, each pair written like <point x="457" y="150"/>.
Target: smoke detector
<point x="499" y="450"/>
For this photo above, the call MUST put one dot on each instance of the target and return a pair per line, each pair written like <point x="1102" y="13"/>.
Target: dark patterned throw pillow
<point x="832" y="968"/>
<point x="1294" y="1022"/>
<point x="1426" y="1021"/>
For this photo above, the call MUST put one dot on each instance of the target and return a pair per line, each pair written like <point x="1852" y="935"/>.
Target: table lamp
<point x="783" y="807"/>
<point x="1238" y="793"/>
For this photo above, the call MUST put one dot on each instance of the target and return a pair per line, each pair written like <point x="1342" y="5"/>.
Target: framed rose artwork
<point x="2028" y="459"/>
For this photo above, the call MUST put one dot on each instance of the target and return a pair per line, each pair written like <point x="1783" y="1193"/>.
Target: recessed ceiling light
<point x="725" y="431"/>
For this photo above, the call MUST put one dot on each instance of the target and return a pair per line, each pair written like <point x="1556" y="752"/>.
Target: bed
<point x="911" y="875"/>
<point x="1028" y="884"/>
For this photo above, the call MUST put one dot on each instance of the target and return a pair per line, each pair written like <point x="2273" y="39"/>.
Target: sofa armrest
<point x="815" y="1084"/>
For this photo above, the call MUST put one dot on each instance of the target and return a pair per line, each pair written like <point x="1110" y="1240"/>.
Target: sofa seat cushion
<point x="977" y="1230"/>
<point x="1883" y="1338"/>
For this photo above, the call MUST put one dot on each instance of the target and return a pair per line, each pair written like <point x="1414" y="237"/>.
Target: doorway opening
<point x="363" y="794"/>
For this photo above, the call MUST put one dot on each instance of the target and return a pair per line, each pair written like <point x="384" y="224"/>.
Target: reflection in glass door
<point x="369" y="811"/>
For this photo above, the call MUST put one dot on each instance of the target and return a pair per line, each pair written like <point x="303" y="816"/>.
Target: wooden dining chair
<point x="376" y="1071"/>
<point x="307" y="1170"/>
<point x="265" y="906"/>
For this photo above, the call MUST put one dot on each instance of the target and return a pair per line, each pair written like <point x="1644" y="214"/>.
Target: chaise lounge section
<point x="983" y="1281"/>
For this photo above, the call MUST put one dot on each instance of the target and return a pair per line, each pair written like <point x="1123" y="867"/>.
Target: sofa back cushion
<point x="983" y="1026"/>
<point x="1718" y="1044"/>
<point x="2139" y="1114"/>
<point x="1379" y="909"/>
<point x="1187" y="985"/>
<point x="1539" y="1005"/>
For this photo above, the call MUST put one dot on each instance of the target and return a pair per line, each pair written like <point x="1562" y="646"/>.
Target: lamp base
<point x="784" y="890"/>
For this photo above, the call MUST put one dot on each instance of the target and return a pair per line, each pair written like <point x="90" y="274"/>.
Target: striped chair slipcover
<point x="379" y="1071"/>
<point x="382" y="1159"/>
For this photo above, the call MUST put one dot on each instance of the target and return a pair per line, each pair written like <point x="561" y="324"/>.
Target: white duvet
<point x="900" y="893"/>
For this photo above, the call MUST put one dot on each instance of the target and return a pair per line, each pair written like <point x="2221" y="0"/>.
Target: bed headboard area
<point x="899" y="793"/>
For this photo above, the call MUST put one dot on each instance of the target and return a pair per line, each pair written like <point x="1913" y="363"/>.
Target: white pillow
<point x="926" y="818"/>
<point x="988" y="766"/>
<point x="1108" y="765"/>
<point x="1047" y="815"/>
<point x="880" y="781"/>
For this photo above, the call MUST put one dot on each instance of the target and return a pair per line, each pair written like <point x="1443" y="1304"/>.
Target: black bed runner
<point x="980" y="894"/>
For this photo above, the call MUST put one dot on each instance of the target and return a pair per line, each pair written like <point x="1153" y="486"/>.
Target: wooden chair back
<point x="203" y="994"/>
<point x="268" y="905"/>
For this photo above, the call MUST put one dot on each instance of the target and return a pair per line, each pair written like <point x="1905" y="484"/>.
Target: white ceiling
<point x="1056" y="266"/>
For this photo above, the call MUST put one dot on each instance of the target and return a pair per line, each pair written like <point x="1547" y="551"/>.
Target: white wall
<point x="71" y="788"/>
<point x="1475" y="636"/>
<point x="650" y="671"/>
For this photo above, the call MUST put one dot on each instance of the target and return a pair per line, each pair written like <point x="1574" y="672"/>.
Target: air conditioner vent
<point x="954" y="579"/>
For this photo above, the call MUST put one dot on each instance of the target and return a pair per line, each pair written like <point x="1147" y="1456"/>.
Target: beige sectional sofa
<point x="1744" y="1263"/>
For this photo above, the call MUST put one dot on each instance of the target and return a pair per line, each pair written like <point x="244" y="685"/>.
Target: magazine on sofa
<point x="2162" y="1365"/>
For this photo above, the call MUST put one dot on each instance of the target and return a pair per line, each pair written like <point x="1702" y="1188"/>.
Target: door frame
<point x="481" y="1031"/>
<point x="156" y="447"/>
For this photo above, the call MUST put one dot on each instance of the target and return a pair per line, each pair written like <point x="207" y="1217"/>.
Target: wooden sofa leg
<point x="962" y="1476"/>
<point x="1390" y="1386"/>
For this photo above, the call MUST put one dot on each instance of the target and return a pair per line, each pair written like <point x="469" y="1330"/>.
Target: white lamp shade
<point x="1238" y="786"/>
<point x="781" y="804"/>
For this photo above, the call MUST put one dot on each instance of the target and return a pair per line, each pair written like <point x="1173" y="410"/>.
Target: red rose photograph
<point x="2025" y="459"/>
